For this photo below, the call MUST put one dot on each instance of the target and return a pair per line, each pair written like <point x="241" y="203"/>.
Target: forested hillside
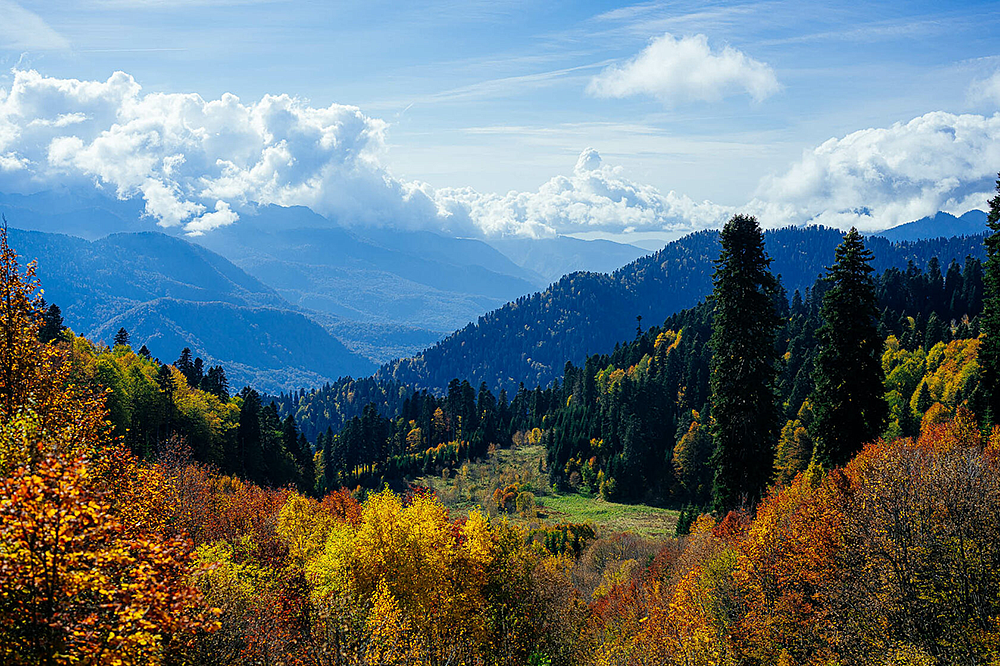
<point x="154" y="521"/>
<point x="633" y="425"/>
<point x="171" y="294"/>
<point x="530" y="339"/>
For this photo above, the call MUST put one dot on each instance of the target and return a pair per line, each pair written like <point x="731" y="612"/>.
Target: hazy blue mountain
<point x="85" y="213"/>
<point x="171" y="294"/>
<point x="530" y="340"/>
<point x="938" y="225"/>
<point x="414" y="278"/>
<point x="551" y="258"/>
<point x="268" y="348"/>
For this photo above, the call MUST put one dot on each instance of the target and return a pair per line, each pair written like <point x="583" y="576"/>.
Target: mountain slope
<point x="268" y="348"/>
<point x="529" y="340"/>
<point x="938" y="225"/>
<point x="551" y="258"/>
<point x="415" y="278"/>
<point x="171" y="294"/>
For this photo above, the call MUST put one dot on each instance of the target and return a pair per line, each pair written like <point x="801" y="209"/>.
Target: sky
<point x="484" y="118"/>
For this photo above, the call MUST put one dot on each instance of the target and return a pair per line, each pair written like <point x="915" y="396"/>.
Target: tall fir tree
<point x="744" y="367"/>
<point x="121" y="338"/>
<point x="848" y="400"/>
<point x="988" y="402"/>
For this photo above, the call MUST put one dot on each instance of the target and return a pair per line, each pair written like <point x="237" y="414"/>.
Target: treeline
<point x="635" y="424"/>
<point x="429" y="434"/>
<point x="530" y="339"/>
<point x="152" y="406"/>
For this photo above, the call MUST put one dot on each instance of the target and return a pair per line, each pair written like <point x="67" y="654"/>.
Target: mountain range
<point x="285" y="298"/>
<point x="170" y="294"/>
<point x="530" y="340"/>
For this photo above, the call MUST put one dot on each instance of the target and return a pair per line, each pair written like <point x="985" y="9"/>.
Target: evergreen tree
<point x="743" y="368"/>
<point x="216" y="383"/>
<point x="250" y="451"/>
<point x="52" y="323"/>
<point x="197" y="373"/>
<point x="185" y="364"/>
<point x="121" y="338"/>
<point x="144" y="352"/>
<point x="989" y="351"/>
<point x="848" y="401"/>
<point x="330" y="466"/>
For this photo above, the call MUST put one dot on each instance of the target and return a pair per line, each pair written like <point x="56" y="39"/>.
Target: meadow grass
<point x="462" y="492"/>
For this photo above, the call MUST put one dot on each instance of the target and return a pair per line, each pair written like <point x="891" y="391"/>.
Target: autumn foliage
<point x="109" y="559"/>
<point x="895" y="556"/>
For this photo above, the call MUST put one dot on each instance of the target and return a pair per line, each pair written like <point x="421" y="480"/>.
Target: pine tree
<point x="848" y="402"/>
<point x="744" y="367"/>
<point x="989" y="351"/>
<point x="52" y="326"/>
<point x="121" y="338"/>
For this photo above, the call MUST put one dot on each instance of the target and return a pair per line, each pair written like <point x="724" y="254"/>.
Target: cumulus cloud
<point x="986" y="90"/>
<point x="596" y="197"/>
<point x="878" y="178"/>
<point x="677" y="71"/>
<point x="196" y="162"/>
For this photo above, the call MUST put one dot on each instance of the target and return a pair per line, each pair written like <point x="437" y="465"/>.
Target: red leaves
<point x="76" y="582"/>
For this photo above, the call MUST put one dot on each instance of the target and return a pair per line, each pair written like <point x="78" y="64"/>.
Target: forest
<point x="836" y="455"/>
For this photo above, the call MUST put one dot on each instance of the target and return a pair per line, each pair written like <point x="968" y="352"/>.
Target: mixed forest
<point x="834" y="453"/>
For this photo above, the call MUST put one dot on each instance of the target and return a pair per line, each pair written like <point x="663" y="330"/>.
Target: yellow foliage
<point x="304" y="525"/>
<point x="435" y="574"/>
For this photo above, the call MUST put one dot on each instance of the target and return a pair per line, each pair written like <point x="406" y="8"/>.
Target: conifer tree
<point x="121" y="338"/>
<point x="743" y="370"/>
<point x="849" y="407"/>
<point x="989" y="351"/>
<point x="52" y="326"/>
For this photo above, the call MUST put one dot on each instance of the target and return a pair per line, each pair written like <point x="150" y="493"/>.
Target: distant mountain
<point x="551" y="258"/>
<point x="171" y="294"/>
<point x="267" y="348"/>
<point x="938" y="225"/>
<point x="384" y="293"/>
<point x="85" y="213"/>
<point x="529" y="340"/>
<point x="416" y="279"/>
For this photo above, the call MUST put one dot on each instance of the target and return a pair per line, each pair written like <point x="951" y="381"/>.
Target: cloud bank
<point x="199" y="164"/>
<point x="878" y="178"/>
<point x="679" y="71"/>
<point x="196" y="162"/>
<point x="596" y="197"/>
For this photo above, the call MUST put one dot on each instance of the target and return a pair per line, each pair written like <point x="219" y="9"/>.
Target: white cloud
<point x="196" y="162"/>
<point x="595" y="197"/>
<point x="986" y="90"/>
<point x="678" y="71"/>
<point x="23" y="29"/>
<point x="878" y="178"/>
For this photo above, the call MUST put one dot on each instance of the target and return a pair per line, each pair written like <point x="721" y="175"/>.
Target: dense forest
<point x="837" y="452"/>
<point x="529" y="340"/>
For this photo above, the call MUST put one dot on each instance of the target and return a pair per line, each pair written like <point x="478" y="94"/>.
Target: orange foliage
<point x="78" y="586"/>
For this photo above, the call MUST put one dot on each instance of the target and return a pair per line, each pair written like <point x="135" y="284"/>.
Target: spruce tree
<point x="848" y="401"/>
<point x="121" y="338"/>
<point x="989" y="351"/>
<point x="744" y="367"/>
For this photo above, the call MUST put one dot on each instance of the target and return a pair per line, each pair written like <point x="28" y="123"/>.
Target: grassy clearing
<point x="473" y="484"/>
<point x="648" y="521"/>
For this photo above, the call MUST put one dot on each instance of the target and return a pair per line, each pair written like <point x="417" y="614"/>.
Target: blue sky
<point x="499" y="96"/>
